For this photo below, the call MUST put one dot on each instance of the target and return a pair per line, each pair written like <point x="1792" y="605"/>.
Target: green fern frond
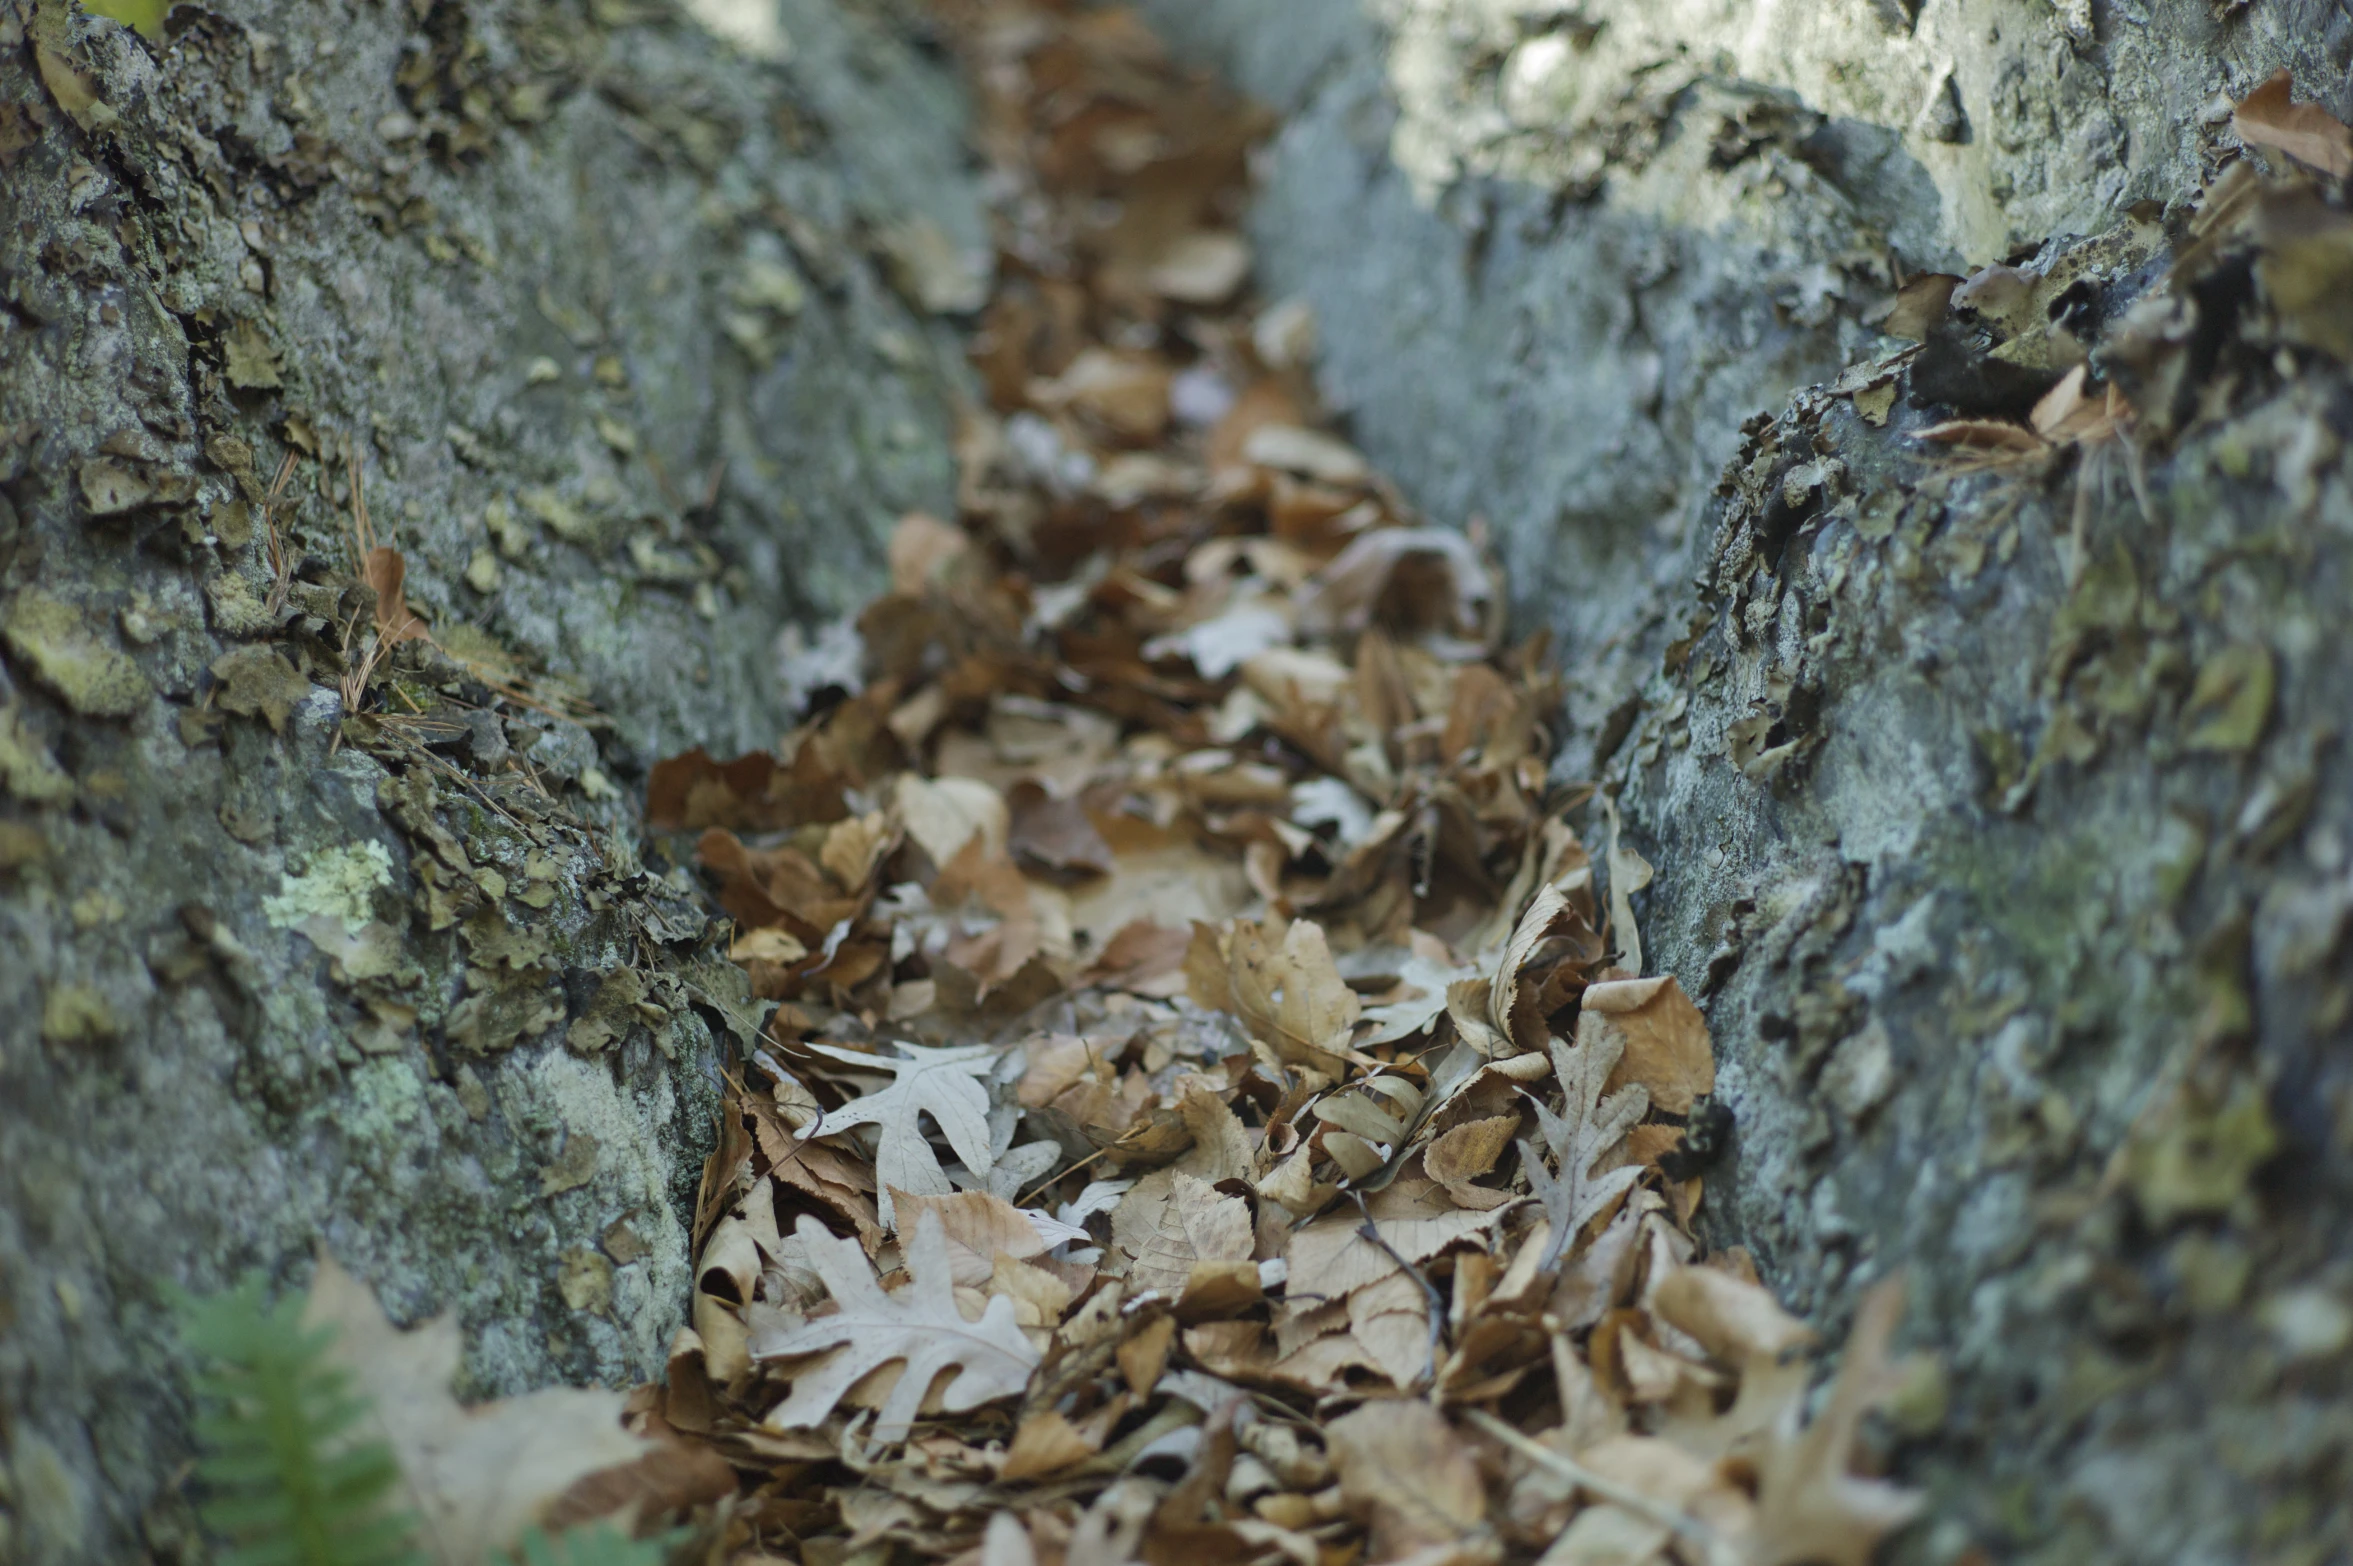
<point x="598" y="1544"/>
<point x="293" y="1480"/>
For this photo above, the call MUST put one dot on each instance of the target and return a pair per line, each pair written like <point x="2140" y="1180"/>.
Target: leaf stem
<point x="1602" y="1485"/>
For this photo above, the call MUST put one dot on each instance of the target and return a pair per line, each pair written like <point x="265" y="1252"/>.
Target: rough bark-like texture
<point x="2014" y="888"/>
<point x="609" y="319"/>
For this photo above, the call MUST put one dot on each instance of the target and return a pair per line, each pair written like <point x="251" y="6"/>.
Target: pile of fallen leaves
<point x="1208" y="1113"/>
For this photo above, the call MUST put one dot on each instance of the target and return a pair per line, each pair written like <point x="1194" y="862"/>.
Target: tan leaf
<point x="1425" y="983"/>
<point x="1330" y="1258"/>
<point x="1196" y="1225"/>
<point x="1412" y="580"/>
<point x="1607" y="1535"/>
<point x="2270" y="117"/>
<point x="1143" y="958"/>
<point x="943" y="814"/>
<point x="476" y="1477"/>
<point x="1055" y="835"/>
<point x="1291" y="997"/>
<point x="1919" y="305"/>
<point x="1390" y="1319"/>
<point x="920" y="1325"/>
<point x="386" y="571"/>
<point x="777" y="946"/>
<point x="672" y="1477"/>
<point x="1551" y="932"/>
<point x="1994" y="434"/>
<point x="1458" y="1157"/>
<point x="1629" y="873"/>
<point x="1247" y="627"/>
<point x="1309" y="453"/>
<point x="1201" y="268"/>
<point x="979" y="1229"/>
<point x="1040" y="1298"/>
<point x="1046" y="1443"/>
<point x="1664" y="1039"/>
<point x="1733" y="1319"/>
<point x="1810" y="1506"/>
<point x="852" y="847"/>
<point x="1126" y="393"/>
<point x="923" y="550"/>
<point x="941" y="1084"/>
<point x="1005" y="1542"/>
<point x="1587" y="1131"/>
<point x="1403" y="1468"/>
<point x="1172" y="884"/>
<point x="1142" y="1357"/>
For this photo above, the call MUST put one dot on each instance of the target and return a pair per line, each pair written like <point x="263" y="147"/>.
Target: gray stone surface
<point x="1985" y="1030"/>
<point x="611" y="320"/>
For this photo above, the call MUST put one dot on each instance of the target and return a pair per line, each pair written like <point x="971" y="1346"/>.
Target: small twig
<point x="2079" y="527"/>
<point x="1369" y="1230"/>
<point x="1059" y="1175"/>
<point x="363" y="530"/>
<point x="354" y="683"/>
<point x="2136" y="468"/>
<point x="439" y="765"/>
<point x="1602" y="1485"/>
<point x="281" y="563"/>
<point x="530" y="776"/>
<point x="653" y="465"/>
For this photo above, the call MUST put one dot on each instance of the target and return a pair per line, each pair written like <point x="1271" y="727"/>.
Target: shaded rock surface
<point x="2000" y="820"/>
<point x="612" y="326"/>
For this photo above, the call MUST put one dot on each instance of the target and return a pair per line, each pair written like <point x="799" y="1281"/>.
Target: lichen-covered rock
<point x="1997" y="809"/>
<point x="618" y="339"/>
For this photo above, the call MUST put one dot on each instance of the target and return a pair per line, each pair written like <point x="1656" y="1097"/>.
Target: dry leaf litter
<point x="1207" y="1112"/>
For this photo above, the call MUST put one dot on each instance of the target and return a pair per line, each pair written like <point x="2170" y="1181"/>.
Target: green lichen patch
<point x="66" y="655"/>
<point x="339" y="884"/>
<point x="27" y="770"/>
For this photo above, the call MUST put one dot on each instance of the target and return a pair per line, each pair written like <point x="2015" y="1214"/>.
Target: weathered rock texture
<point x="2003" y="822"/>
<point x="609" y="322"/>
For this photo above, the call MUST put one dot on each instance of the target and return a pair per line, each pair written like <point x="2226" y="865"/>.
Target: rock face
<point x="2000" y="815"/>
<point x="612" y="328"/>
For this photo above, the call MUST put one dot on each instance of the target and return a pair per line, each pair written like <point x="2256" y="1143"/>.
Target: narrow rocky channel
<point x="1828" y="524"/>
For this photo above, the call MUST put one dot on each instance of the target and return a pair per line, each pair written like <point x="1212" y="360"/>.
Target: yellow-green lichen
<point x="51" y="635"/>
<point x="338" y="883"/>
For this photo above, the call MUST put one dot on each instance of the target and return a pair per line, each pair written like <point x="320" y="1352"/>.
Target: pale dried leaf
<point x="1403" y="1467"/>
<point x="1201" y="268"/>
<point x="1291" y="997"/>
<point x="1425" y="981"/>
<point x="919" y="1325"/>
<point x="1733" y="1319"/>
<point x="1587" y="1131"/>
<point x="1629" y="873"/>
<point x="1376" y="575"/>
<point x="941" y="1083"/>
<point x="979" y="1229"/>
<point x="943" y="814"/>
<point x="478" y="1477"/>
<point x="1662" y="1036"/>
<point x="1457" y="1158"/>
<point x="2270" y="117"/>
<point x="1810" y="1505"/>
<point x="1196" y="1225"/>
